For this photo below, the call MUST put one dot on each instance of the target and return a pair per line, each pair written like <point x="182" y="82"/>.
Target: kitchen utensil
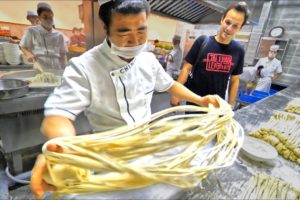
<point x="12" y="88"/>
<point x="38" y="66"/>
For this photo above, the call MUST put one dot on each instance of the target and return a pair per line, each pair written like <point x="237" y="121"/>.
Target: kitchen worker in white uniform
<point x="272" y="69"/>
<point x="174" y="58"/>
<point x="43" y="43"/>
<point x="33" y="18"/>
<point x="250" y="75"/>
<point x="112" y="83"/>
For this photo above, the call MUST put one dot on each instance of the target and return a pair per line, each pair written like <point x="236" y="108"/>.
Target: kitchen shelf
<point x="266" y="42"/>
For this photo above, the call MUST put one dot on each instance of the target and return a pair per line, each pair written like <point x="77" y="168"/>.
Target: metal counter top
<point x="15" y="67"/>
<point x="33" y="100"/>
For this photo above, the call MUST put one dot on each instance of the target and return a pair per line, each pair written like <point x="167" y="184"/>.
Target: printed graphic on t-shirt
<point x="218" y="62"/>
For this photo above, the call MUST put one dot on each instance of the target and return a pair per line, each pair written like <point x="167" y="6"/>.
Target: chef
<point x="250" y="75"/>
<point x="174" y="58"/>
<point x="33" y="18"/>
<point x="112" y="83"/>
<point x="272" y="69"/>
<point x="44" y="44"/>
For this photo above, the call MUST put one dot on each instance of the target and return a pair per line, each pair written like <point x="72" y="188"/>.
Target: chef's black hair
<point x="239" y="7"/>
<point x="124" y="7"/>
<point x="259" y="68"/>
<point x="42" y="9"/>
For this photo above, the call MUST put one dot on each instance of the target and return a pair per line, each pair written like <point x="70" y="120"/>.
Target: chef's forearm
<point x="181" y="92"/>
<point x="26" y="51"/>
<point x="57" y="126"/>
<point x="276" y="76"/>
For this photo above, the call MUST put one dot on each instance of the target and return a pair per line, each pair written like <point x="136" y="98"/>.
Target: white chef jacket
<point x="271" y="67"/>
<point x="111" y="91"/>
<point x="173" y="68"/>
<point x="46" y="46"/>
<point x="249" y="74"/>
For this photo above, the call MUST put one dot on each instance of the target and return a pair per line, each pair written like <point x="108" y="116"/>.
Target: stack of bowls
<point x="12" y="53"/>
<point x="2" y="58"/>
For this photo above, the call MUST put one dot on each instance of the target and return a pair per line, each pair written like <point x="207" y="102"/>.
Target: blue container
<point x="272" y="91"/>
<point x="249" y="99"/>
<point x="259" y="94"/>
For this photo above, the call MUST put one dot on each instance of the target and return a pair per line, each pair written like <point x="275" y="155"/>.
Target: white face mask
<point x="47" y="23"/>
<point x="127" y="52"/>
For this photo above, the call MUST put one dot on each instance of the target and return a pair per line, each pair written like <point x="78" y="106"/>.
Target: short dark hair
<point x="260" y="67"/>
<point x="43" y="9"/>
<point x="239" y="7"/>
<point x="125" y="7"/>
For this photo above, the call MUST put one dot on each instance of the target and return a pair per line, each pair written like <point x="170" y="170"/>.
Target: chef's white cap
<point x="44" y="5"/>
<point x="274" y="48"/>
<point x="31" y="13"/>
<point x="101" y="2"/>
<point x="177" y="38"/>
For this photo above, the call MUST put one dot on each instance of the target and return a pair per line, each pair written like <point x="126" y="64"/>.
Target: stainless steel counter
<point x="7" y="68"/>
<point x="227" y="183"/>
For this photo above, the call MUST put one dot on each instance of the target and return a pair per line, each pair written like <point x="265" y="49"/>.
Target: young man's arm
<point x="234" y="84"/>
<point x="182" y="78"/>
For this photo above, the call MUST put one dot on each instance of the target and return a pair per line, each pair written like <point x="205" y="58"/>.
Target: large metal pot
<point x="12" y="88"/>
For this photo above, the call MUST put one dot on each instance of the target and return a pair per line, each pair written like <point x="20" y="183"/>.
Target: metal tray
<point x="12" y="88"/>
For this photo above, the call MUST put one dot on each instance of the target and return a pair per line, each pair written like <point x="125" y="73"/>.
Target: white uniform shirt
<point x="271" y="67"/>
<point x="111" y="91"/>
<point x="174" y="66"/>
<point x="249" y="74"/>
<point x="176" y="54"/>
<point x="46" y="46"/>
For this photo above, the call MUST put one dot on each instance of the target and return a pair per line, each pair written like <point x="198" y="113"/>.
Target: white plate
<point x="258" y="150"/>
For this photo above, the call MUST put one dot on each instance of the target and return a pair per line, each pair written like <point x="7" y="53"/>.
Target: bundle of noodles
<point x="293" y="106"/>
<point x="261" y="186"/>
<point x="179" y="150"/>
<point x="45" y="77"/>
<point x="282" y="131"/>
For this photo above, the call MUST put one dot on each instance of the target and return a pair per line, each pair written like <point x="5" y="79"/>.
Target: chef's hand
<point x="174" y="101"/>
<point x="37" y="185"/>
<point x="31" y="58"/>
<point x="209" y="99"/>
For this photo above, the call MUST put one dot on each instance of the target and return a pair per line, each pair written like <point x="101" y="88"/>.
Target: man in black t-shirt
<point x="218" y="59"/>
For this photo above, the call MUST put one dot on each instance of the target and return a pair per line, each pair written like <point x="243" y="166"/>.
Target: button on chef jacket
<point x="46" y="46"/>
<point x="112" y="92"/>
<point x="271" y="67"/>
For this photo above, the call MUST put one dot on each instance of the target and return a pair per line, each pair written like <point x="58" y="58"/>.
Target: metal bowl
<point x="12" y="88"/>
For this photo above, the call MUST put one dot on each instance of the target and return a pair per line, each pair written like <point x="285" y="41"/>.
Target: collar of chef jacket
<point x="45" y="31"/>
